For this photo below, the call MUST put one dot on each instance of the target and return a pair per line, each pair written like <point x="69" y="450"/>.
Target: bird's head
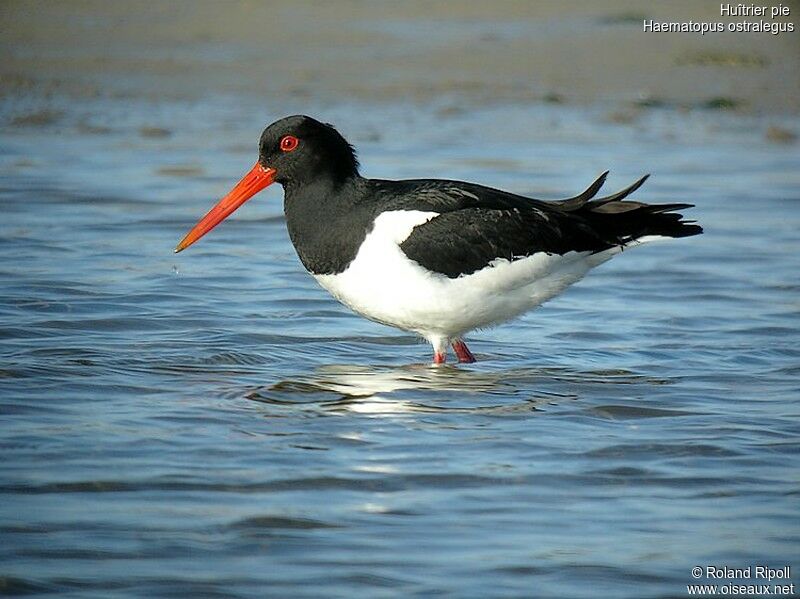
<point x="294" y="151"/>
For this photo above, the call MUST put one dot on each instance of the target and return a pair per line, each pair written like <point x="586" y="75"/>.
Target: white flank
<point x="382" y="284"/>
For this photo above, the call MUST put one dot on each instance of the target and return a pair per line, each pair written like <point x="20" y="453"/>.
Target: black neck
<point x="327" y="221"/>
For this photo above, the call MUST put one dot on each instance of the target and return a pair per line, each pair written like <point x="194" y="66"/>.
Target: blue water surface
<point x="213" y="424"/>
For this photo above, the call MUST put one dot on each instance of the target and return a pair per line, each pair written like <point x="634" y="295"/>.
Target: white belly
<point x="382" y="284"/>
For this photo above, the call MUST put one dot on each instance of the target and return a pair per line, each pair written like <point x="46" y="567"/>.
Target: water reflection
<point x="422" y="388"/>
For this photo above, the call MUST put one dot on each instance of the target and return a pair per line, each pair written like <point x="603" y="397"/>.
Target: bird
<point x="434" y="257"/>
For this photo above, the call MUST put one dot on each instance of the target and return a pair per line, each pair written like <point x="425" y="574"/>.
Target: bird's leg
<point x="439" y="349"/>
<point x="462" y="351"/>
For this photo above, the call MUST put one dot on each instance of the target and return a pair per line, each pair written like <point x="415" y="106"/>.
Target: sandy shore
<point x="572" y="52"/>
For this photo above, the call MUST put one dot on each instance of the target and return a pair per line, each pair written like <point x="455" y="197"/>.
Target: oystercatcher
<point x="434" y="257"/>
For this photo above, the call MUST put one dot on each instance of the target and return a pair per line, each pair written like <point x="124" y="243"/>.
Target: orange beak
<point x="254" y="181"/>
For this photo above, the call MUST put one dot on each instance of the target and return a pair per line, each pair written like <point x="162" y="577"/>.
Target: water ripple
<point x="213" y="424"/>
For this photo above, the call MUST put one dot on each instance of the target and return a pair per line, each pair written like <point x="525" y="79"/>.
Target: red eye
<point x="289" y="143"/>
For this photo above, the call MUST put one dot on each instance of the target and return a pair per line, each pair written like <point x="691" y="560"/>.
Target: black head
<point x="294" y="151"/>
<point x="302" y="149"/>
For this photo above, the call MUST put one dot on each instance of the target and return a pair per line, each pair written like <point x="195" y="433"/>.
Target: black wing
<point x="441" y="195"/>
<point x="465" y="241"/>
<point x="477" y="224"/>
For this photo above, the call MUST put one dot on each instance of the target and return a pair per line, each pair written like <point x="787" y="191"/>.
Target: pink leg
<point x="462" y="351"/>
<point x="439" y="349"/>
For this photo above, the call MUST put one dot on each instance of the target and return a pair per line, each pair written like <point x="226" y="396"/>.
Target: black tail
<point x="627" y="221"/>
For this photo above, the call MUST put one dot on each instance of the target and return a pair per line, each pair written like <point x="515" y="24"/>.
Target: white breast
<point x="382" y="284"/>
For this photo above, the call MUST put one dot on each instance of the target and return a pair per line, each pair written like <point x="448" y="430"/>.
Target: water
<point x="213" y="424"/>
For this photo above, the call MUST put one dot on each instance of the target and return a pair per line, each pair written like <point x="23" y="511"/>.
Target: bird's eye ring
<point x="289" y="143"/>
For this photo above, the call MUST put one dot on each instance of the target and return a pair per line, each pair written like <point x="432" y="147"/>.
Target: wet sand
<point x="473" y="53"/>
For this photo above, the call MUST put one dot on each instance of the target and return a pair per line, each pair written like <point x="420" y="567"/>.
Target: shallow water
<point x="213" y="424"/>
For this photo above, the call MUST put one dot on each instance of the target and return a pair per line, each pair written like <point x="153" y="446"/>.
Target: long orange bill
<point x="254" y="181"/>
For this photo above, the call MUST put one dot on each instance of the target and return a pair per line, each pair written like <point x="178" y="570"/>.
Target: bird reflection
<point x="418" y="388"/>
